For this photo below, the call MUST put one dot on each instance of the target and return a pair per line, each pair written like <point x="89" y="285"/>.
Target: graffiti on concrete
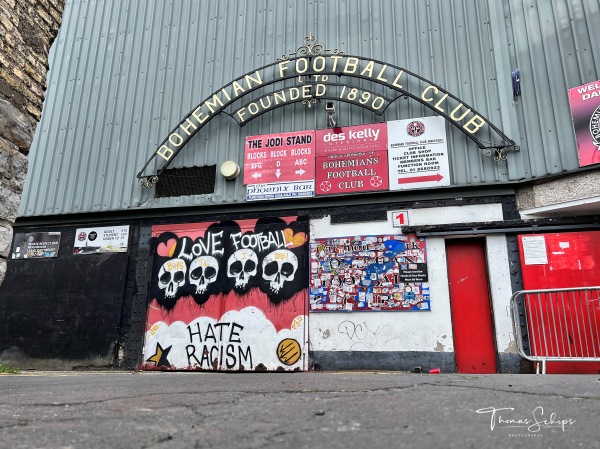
<point x="363" y="336"/>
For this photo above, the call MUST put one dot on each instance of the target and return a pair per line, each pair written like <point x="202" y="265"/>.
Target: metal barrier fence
<point x="557" y="325"/>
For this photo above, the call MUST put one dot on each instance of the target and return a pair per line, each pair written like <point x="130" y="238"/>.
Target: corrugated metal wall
<point x="123" y="73"/>
<point x="556" y="45"/>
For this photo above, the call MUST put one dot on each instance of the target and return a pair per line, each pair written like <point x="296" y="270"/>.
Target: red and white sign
<point x="418" y="153"/>
<point x="285" y="157"/>
<point x="400" y="218"/>
<point x="585" y="108"/>
<point x="351" y="159"/>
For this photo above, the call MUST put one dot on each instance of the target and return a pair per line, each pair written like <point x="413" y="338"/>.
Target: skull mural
<point x="203" y="272"/>
<point x="172" y="276"/>
<point x="279" y="267"/>
<point x="241" y="266"/>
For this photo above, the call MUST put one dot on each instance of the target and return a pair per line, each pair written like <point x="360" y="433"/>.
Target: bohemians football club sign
<point x="313" y="73"/>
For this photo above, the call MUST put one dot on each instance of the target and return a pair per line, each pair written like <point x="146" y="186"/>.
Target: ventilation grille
<point x="186" y="181"/>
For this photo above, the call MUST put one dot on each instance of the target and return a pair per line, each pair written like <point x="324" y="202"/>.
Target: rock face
<point x="12" y="178"/>
<point x="5" y="239"/>
<point x="27" y="30"/>
<point x="15" y="126"/>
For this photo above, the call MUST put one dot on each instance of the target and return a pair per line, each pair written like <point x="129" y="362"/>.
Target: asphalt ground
<point x="298" y="410"/>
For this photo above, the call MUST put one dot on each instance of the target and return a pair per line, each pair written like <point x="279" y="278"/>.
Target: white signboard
<point x="259" y="192"/>
<point x="110" y="239"/>
<point x="534" y="250"/>
<point x="418" y="153"/>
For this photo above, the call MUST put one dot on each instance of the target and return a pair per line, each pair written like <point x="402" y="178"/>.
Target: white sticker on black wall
<point x="109" y="239"/>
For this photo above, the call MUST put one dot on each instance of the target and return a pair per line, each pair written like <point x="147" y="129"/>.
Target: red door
<point x="470" y="307"/>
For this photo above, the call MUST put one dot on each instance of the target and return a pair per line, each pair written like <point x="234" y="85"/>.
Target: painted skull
<point x="172" y="276"/>
<point x="279" y="267"/>
<point x="242" y="265"/>
<point x="203" y="271"/>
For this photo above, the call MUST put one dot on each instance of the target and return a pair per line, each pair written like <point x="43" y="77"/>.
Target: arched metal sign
<point x="311" y="74"/>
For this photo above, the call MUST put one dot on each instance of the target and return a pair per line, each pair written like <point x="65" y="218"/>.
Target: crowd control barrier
<point x="557" y="325"/>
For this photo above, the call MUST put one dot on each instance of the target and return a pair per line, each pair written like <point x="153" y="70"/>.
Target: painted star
<point x="160" y="357"/>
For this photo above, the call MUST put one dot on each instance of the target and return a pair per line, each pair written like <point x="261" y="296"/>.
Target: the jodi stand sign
<point x="111" y="239"/>
<point x="279" y="165"/>
<point x="36" y="245"/>
<point x="418" y="153"/>
<point x="585" y="107"/>
<point x="384" y="272"/>
<point x="351" y="159"/>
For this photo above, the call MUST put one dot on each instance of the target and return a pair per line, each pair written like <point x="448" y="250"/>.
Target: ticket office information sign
<point x="418" y="153"/>
<point x="369" y="273"/>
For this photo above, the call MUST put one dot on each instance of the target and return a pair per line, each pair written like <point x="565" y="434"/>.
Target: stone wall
<point x="556" y="191"/>
<point x="27" y="29"/>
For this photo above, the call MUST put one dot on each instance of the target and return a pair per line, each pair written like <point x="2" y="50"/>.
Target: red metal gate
<point x="562" y="324"/>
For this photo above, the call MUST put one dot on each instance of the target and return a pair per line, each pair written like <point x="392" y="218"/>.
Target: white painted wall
<point x="500" y="291"/>
<point x="415" y="331"/>
<point x="385" y="331"/>
<point x="455" y="214"/>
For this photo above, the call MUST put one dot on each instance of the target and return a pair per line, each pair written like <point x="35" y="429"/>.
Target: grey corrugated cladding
<point x="123" y="73"/>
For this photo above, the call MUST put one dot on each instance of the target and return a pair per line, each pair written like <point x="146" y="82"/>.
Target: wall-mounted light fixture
<point x="230" y="170"/>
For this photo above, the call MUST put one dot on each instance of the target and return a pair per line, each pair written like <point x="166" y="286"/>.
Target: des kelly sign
<point x="351" y="159"/>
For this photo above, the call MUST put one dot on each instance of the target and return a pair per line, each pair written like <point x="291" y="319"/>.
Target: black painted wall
<point x="65" y="312"/>
<point x="89" y="311"/>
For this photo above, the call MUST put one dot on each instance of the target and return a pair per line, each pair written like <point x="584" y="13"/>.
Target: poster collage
<point x="385" y="272"/>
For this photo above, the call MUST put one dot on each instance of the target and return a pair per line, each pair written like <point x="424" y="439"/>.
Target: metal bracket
<point x="148" y="181"/>
<point x="500" y="152"/>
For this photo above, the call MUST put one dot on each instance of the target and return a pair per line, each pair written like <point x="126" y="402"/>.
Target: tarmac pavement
<point x="298" y="410"/>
